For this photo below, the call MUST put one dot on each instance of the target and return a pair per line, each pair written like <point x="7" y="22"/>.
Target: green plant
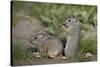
<point x="88" y="45"/>
<point x="19" y="53"/>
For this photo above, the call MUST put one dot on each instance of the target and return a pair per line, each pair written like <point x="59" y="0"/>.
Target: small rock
<point x="88" y="55"/>
<point x="36" y="54"/>
<point x="63" y="58"/>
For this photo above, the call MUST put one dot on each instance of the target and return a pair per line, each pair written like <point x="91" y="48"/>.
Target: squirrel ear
<point x="41" y="35"/>
<point x="77" y="20"/>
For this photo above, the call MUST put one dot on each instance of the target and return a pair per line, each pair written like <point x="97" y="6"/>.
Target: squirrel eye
<point x="35" y="38"/>
<point x="69" y="20"/>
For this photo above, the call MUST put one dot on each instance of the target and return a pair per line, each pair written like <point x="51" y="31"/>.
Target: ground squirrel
<point x="72" y="28"/>
<point x="47" y="45"/>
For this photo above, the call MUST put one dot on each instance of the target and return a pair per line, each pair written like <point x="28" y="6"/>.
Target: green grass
<point x="88" y="45"/>
<point x="19" y="53"/>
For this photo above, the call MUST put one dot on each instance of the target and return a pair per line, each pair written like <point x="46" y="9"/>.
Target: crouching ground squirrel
<point x="47" y="45"/>
<point x="72" y="28"/>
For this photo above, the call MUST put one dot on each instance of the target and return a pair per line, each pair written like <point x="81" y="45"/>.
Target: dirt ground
<point x="40" y="61"/>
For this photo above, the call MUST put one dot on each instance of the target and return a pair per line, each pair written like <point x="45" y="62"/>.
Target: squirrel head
<point x="38" y="38"/>
<point x="71" y="22"/>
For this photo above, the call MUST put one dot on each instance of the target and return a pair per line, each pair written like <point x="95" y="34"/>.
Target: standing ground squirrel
<point x="72" y="28"/>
